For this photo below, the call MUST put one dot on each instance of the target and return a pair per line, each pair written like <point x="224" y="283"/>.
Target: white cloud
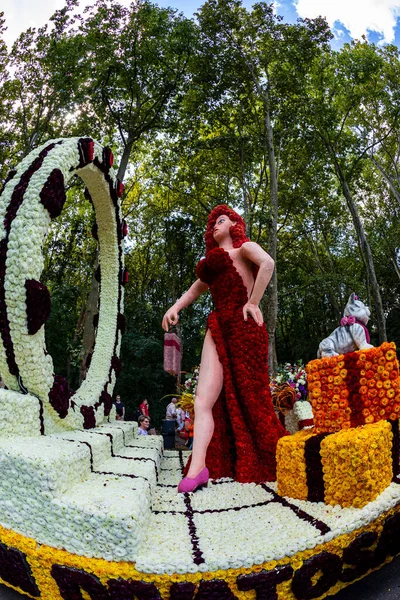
<point x="358" y="16"/>
<point x="21" y="14"/>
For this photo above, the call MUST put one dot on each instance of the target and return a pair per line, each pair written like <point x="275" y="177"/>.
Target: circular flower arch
<point x="33" y="195"/>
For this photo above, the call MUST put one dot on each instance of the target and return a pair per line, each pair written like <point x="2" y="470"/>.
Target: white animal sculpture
<point x="352" y="334"/>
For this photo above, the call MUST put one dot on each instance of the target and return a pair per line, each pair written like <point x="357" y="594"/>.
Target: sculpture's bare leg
<point x="208" y="389"/>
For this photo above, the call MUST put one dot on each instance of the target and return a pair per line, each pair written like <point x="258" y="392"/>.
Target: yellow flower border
<point x="41" y="558"/>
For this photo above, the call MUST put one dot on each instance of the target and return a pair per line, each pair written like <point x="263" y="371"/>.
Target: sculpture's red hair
<point x="237" y="231"/>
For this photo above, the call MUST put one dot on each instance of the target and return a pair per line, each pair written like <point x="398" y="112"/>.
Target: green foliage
<point x="61" y="341"/>
<point x="135" y="61"/>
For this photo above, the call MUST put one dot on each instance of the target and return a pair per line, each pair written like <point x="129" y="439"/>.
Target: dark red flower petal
<point x="38" y="305"/>
<point x="89" y="419"/>
<point x="52" y="195"/>
<point x="59" y="396"/>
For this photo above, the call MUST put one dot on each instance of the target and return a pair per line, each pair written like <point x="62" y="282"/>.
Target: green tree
<point x="247" y="86"/>
<point x="135" y="61"/>
<point x="341" y="82"/>
<point x="45" y="85"/>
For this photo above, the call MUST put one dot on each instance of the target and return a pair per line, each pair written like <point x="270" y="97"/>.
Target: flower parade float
<point x="90" y="510"/>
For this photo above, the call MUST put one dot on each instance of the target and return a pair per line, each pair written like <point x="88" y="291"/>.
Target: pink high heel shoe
<point x="190" y="485"/>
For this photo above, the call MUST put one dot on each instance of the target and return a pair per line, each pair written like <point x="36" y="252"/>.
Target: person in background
<point x="180" y="432"/>
<point x="189" y="427"/>
<point x="170" y="413"/>
<point x="180" y="419"/>
<point x="144" y="424"/>
<point x="120" y="407"/>
<point x="144" y="408"/>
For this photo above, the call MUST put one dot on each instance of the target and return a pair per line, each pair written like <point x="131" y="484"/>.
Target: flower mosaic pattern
<point x="357" y="464"/>
<point x="350" y="467"/>
<point x="106" y="493"/>
<point x="32" y="196"/>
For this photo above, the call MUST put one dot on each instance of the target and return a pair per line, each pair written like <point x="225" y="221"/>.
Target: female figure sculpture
<point x="235" y="428"/>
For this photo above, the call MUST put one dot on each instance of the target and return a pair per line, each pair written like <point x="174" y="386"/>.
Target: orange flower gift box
<point x="355" y="388"/>
<point x="350" y="467"/>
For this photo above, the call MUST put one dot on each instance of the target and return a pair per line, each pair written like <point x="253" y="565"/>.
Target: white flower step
<point x="104" y="441"/>
<point x="41" y="465"/>
<point x="98" y="446"/>
<point x="150" y="441"/>
<point x="106" y="517"/>
<point x="149" y="455"/>
<point x="133" y="469"/>
<point x="129" y="429"/>
<point x="19" y="414"/>
<point x="117" y="436"/>
<point x="67" y="491"/>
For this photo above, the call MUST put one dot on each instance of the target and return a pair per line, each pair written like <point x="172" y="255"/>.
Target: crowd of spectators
<point x="183" y="421"/>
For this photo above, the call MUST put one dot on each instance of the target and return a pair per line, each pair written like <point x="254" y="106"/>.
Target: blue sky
<point x="379" y="20"/>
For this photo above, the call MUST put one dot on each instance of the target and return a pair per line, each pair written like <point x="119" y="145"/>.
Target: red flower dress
<point x="246" y="428"/>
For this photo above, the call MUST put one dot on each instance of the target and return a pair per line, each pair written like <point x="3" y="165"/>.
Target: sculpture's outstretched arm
<point x="327" y="348"/>
<point x="171" y="317"/>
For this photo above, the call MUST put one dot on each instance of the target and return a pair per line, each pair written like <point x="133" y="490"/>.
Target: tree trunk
<point x="365" y="251"/>
<point x="331" y="295"/>
<point x="272" y="300"/>
<point x="396" y="268"/>
<point x="387" y="178"/>
<point x="125" y="158"/>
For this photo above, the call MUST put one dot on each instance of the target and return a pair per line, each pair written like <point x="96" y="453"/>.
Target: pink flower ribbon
<point x="347" y="321"/>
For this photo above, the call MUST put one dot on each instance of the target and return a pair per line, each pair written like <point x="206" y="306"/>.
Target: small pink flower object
<point x="350" y="320"/>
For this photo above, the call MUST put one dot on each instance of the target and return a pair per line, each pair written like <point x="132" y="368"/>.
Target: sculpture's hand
<point x="254" y="311"/>
<point x="170" y="318"/>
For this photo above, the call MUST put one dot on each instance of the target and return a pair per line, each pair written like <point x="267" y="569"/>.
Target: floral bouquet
<point x="289" y="396"/>
<point x="190" y="384"/>
<point x="292" y="376"/>
<point x="188" y="391"/>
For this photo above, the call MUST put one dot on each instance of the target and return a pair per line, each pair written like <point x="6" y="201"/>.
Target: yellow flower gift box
<point x="89" y="510"/>
<point x="349" y="468"/>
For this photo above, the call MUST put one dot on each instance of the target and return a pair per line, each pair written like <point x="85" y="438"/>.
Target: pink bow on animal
<point x="347" y="321"/>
